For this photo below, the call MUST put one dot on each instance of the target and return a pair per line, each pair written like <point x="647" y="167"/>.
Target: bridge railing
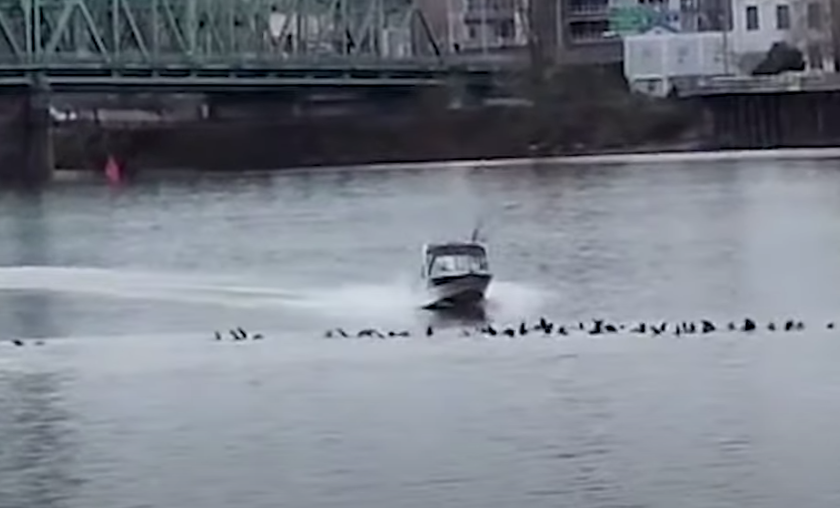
<point x="214" y="33"/>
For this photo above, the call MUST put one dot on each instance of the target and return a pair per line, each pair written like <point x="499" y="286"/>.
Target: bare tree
<point x="539" y="20"/>
<point x="834" y="16"/>
<point x="814" y="29"/>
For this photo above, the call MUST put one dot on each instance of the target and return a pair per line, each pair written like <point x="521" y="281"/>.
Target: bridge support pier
<point x="25" y="141"/>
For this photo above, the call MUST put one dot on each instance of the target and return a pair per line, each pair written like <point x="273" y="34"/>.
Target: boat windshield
<point x="457" y="263"/>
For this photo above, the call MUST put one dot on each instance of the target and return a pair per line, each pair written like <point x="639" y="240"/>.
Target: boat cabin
<point x="441" y="260"/>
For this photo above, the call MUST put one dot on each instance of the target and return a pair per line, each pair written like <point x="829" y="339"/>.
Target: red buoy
<point x="113" y="171"/>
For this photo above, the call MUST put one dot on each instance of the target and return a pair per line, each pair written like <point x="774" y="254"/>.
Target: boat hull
<point x="458" y="290"/>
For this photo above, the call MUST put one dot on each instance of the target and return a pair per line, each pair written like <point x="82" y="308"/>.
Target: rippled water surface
<point x="131" y="403"/>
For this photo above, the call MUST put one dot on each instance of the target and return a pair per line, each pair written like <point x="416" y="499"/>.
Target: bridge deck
<point x="251" y="76"/>
<point x="248" y="43"/>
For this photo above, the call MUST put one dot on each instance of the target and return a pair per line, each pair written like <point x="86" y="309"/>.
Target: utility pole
<point x="536" y="22"/>
<point x="536" y="69"/>
<point x="484" y="28"/>
<point x="450" y="28"/>
<point x="724" y="21"/>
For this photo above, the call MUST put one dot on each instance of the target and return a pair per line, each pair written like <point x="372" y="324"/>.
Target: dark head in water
<point x="599" y="327"/>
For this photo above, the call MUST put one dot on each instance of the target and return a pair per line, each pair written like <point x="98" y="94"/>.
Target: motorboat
<point x="457" y="274"/>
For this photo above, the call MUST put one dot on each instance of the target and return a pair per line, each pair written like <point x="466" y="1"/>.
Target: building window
<point x="505" y="29"/>
<point x="588" y="6"/>
<point x="814" y="16"/>
<point x="588" y="30"/>
<point x="783" y="17"/>
<point x="752" y="17"/>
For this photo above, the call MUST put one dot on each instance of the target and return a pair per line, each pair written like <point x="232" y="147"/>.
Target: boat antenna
<point x="476" y="231"/>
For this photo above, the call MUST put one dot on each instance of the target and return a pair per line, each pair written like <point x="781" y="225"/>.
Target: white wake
<point x="361" y="300"/>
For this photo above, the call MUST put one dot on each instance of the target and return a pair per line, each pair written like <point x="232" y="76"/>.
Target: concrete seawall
<point x="25" y="138"/>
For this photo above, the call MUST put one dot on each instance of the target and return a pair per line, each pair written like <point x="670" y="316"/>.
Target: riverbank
<point x="585" y="112"/>
<point x="222" y="146"/>
<point x="651" y="158"/>
<point x="664" y="157"/>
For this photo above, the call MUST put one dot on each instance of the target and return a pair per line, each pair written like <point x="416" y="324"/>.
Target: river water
<point x="130" y="402"/>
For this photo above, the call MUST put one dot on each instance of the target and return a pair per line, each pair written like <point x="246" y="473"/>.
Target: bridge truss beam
<point x="207" y="34"/>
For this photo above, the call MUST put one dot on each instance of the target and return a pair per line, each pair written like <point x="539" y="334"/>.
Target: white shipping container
<point x="652" y="60"/>
<point x="643" y="56"/>
<point x="673" y="55"/>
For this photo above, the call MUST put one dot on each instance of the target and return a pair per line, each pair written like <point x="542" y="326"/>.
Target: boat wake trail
<point x="393" y="301"/>
<point x="127" y="284"/>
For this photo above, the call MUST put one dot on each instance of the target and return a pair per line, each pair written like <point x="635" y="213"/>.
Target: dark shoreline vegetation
<point x="573" y="112"/>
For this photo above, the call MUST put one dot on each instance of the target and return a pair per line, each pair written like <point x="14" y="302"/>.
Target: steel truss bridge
<point x="119" y="44"/>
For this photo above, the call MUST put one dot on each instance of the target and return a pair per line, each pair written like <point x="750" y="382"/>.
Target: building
<point x="584" y="32"/>
<point x="477" y="26"/>
<point x="494" y="24"/>
<point x="804" y="24"/>
<point x="571" y="31"/>
<point x="656" y="61"/>
<point x="706" y="15"/>
<point x="593" y="30"/>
